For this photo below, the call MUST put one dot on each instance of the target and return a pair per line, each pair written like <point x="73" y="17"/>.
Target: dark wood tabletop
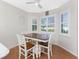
<point x="39" y="37"/>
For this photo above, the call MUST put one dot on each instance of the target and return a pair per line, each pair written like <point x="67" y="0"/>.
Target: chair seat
<point x="28" y="45"/>
<point x="44" y="44"/>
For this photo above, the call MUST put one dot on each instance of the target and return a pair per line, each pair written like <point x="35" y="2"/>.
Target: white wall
<point x="11" y="24"/>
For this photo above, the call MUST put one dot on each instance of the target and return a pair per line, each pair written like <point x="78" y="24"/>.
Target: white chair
<point x="25" y="33"/>
<point x="25" y="48"/>
<point x="47" y="45"/>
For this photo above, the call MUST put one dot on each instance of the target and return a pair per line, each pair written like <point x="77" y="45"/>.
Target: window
<point x="47" y="24"/>
<point x="65" y="23"/>
<point x="43" y="24"/>
<point x="34" y="25"/>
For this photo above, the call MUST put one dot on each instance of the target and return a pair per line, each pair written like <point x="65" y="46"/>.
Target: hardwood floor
<point x="58" y="53"/>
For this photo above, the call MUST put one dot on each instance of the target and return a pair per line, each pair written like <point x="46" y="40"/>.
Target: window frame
<point x="47" y="23"/>
<point x="65" y="34"/>
<point x="34" y="24"/>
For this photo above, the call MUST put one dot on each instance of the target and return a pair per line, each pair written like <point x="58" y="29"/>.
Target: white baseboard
<point x="67" y="50"/>
<point x="13" y="47"/>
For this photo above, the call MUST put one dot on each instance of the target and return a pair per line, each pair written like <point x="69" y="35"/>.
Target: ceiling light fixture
<point x="36" y="2"/>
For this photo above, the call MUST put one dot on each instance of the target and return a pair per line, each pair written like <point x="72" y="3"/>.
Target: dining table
<point x="37" y="37"/>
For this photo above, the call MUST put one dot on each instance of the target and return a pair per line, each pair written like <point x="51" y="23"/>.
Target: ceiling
<point x="46" y="4"/>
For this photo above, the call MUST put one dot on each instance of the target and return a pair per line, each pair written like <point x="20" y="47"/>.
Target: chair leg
<point x="49" y="53"/>
<point x="25" y="55"/>
<point x="19" y="53"/>
<point x="33" y="54"/>
<point x="19" y="56"/>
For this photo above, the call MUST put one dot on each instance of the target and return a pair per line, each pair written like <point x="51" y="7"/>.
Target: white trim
<point x="67" y="50"/>
<point x="68" y="23"/>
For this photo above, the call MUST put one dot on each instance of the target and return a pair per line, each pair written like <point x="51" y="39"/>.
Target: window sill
<point x="62" y="34"/>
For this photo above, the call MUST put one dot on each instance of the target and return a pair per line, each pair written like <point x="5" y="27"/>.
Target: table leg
<point x="37" y="50"/>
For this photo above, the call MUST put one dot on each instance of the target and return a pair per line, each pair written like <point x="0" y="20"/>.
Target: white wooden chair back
<point x="21" y="39"/>
<point x="51" y="38"/>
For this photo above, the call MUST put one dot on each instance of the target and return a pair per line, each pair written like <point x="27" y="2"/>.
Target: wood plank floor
<point x="58" y="53"/>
